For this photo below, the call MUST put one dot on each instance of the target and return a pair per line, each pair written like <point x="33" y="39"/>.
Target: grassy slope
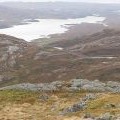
<point x="22" y="105"/>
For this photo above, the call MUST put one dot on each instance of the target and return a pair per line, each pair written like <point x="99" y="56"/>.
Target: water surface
<point x="45" y="27"/>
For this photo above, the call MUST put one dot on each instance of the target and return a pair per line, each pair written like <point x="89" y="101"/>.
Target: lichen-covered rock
<point x="74" y="85"/>
<point x="81" y="105"/>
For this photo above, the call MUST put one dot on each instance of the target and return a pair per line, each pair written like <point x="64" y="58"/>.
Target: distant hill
<point x="16" y="12"/>
<point x="93" y="57"/>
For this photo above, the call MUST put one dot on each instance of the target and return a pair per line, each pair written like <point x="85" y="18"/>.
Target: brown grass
<point x="22" y="105"/>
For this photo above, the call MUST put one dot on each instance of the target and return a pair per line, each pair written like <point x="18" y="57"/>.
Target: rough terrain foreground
<point x="22" y="105"/>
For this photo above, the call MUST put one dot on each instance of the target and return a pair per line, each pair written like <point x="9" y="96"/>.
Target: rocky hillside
<point x="11" y="49"/>
<point x="91" y="57"/>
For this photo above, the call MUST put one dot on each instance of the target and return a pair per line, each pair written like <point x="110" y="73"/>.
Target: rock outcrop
<point x="73" y="85"/>
<point x="81" y="105"/>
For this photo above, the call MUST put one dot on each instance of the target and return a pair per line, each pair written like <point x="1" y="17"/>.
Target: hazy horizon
<point x="88" y="1"/>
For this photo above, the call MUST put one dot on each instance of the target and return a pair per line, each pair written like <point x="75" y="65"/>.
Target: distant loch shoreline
<point x="42" y="28"/>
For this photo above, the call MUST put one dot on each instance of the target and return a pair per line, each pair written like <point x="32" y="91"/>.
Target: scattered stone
<point x="106" y="116"/>
<point x="87" y="115"/>
<point x="110" y="106"/>
<point x="44" y="97"/>
<point x="79" y="106"/>
<point x="74" y="108"/>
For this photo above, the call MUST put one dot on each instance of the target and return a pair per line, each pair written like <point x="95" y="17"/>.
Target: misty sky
<point x="98" y="1"/>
